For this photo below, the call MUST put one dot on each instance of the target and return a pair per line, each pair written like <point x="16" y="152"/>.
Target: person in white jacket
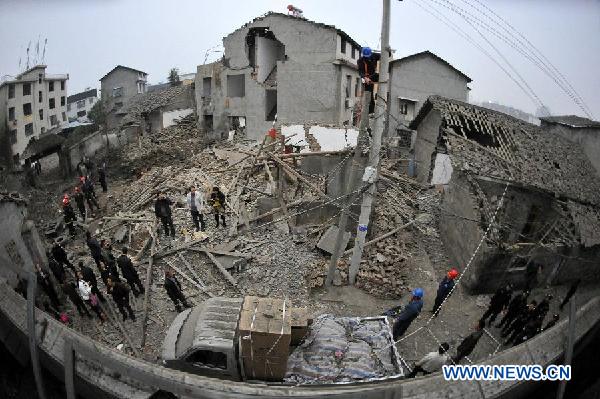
<point x="85" y="291"/>
<point x="196" y="203"/>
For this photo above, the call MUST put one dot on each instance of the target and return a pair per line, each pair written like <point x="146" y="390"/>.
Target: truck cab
<point x="203" y="340"/>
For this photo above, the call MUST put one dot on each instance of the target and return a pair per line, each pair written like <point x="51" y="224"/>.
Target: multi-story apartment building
<point x="80" y="104"/>
<point x="117" y="87"/>
<point x="30" y="104"/>
<point x="278" y="64"/>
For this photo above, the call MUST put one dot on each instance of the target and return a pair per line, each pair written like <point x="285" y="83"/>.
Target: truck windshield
<point x="211" y="359"/>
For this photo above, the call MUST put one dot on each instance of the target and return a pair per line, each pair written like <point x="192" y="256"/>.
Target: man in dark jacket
<point x="516" y="327"/>
<point x="102" y="177"/>
<point x="162" y="210"/>
<point x="515" y="306"/>
<point x="45" y="282"/>
<point x="173" y="288"/>
<point x="217" y="201"/>
<point x="410" y="312"/>
<point x="60" y="255"/>
<point x="90" y="195"/>
<point x="129" y="273"/>
<point x="465" y="348"/>
<point x="95" y="248"/>
<point x="89" y="277"/>
<point x="444" y="289"/>
<point x="367" y="65"/>
<point x="71" y="291"/>
<point x="69" y="214"/>
<point x="498" y="303"/>
<point x="120" y="294"/>
<point x="57" y="269"/>
<point x="80" y="201"/>
<point x="543" y="307"/>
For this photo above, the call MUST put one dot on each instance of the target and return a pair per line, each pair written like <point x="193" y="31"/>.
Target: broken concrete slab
<point x="120" y="234"/>
<point x="232" y="262"/>
<point x="231" y="157"/>
<point x="327" y="241"/>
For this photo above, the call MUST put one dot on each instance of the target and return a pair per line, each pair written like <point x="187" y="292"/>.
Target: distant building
<point x="279" y="65"/>
<point x="576" y="129"/>
<point x="78" y="105"/>
<point x="412" y="80"/>
<point x="187" y="78"/>
<point x="117" y="87"/>
<point x="30" y="104"/>
<point x="514" y="112"/>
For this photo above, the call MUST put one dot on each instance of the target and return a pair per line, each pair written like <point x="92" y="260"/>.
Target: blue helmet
<point x="366" y="52"/>
<point x="418" y="292"/>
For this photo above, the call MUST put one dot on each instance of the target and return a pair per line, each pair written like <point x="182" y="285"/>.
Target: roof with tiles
<point x="493" y="144"/>
<point x="13" y="197"/>
<point x="428" y="53"/>
<point x="81" y="96"/>
<point x="571" y="121"/>
<point x="322" y="25"/>
<point x="122" y="67"/>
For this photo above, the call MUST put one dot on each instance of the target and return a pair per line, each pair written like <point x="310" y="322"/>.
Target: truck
<point x="268" y="340"/>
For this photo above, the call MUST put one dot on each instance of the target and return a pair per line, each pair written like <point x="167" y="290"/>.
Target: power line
<point x="542" y="57"/>
<point x="471" y="19"/>
<point x="442" y="18"/>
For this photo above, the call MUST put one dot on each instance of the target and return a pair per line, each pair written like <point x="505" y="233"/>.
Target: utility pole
<point x="361" y="143"/>
<point x="378" y="126"/>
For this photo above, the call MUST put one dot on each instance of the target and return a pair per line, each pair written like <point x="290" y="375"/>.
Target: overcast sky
<point x="87" y="38"/>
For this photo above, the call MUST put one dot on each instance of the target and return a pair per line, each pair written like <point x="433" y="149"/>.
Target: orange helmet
<point x="452" y="273"/>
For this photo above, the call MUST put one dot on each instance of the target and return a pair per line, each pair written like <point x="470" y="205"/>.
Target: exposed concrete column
<point x="380" y="114"/>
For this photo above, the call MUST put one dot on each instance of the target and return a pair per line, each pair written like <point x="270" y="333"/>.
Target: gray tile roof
<point x="571" y="121"/>
<point x="496" y="145"/>
<point x="81" y="96"/>
<point x="428" y="53"/>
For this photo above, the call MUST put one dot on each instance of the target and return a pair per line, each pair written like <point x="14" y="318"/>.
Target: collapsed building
<point x="279" y="65"/>
<point x="530" y="196"/>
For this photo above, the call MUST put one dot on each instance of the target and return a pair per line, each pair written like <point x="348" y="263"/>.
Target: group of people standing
<point x="197" y="204"/>
<point x="84" y="192"/>
<point x="521" y="320"/>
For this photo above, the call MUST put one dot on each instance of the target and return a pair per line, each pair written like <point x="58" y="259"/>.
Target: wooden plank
<point x="190" y="280"/>
<point x="381" y="237"/>
<point x="126" y="219"/>
<point x="191" y="269"/>
<point x="220" y="252"/>
<point x="147" y="285"/>
<point x="219" y="266"/>
<point x="298" y="176"/>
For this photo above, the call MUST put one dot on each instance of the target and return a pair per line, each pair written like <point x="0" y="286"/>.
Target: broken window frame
<point x="343" y="45"/>
<point x="11" y="114"/>
<point x="51" y="85"/>
<point x="27" y="109"/>
<point x="11" y="90"/>
<point x="234" y="89"/>
<point x="51" y="103"/>
<point x="41" y="113"/>
<point x="12" y="134"/>
<point x="29" y="129"/>
<point x="26" y="89"/>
